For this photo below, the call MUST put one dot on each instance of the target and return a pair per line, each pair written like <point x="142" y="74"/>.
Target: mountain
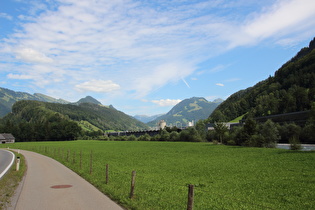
<point x="291" y="89"/>
<point x="192" y="109"/>
<point x="62" y="118"/>
<point x="88" y="99"/>
<point x="146" y="118"/>
<point x="9" y="97"/>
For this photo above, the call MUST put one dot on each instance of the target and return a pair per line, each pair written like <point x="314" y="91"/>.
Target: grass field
<point x="225" y="177"/>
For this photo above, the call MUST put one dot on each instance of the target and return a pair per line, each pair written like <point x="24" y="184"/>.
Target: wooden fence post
<point x="80" y="159"/>
<point x="73" y="159"/>
<point x="107" y="167"/>
<point x="91" y="163"/>
<point x="133" y="182"/>
<point x="68" y="154"/>
<point x="190" y="203"/>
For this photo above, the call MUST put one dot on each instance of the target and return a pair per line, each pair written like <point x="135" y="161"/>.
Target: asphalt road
<point x="6" y="160"/>
<point x="50" y="185"/>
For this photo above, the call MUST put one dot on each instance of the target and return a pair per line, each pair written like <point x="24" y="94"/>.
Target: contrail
<point x="185" y="82"/>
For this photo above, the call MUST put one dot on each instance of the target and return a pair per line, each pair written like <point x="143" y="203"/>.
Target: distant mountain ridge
<point x="9" y="97"/>
<point x="146" y="118"/>
<point x="192" y="109"/>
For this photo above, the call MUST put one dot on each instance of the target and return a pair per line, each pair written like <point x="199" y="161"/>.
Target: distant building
<point x="162" y="124"/>
<point x="6" y="138"/>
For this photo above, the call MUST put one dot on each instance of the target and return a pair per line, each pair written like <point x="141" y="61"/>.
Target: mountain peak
<point x="89" y="99"/>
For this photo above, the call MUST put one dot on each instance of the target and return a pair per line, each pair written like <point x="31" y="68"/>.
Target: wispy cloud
<point x="6" y="16"/>
<point x="33" y="56"/>
<point x="232" y="80"/>
<point x="220" y="84"/>
<point x="98" y="86"/>
<point x="166" y="102"/>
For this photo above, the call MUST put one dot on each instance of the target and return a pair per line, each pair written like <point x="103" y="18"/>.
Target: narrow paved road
<point x="6" y="160"/>
<point x="50" y="185"/>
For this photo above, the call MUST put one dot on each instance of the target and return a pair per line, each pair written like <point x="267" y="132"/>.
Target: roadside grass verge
<point x="225" y="177"/>
<point x="10" y="182"/>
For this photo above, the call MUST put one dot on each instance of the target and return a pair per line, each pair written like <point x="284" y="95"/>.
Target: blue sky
<point x="145" y="56"/>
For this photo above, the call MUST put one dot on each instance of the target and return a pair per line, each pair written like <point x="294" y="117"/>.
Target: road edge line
<point x="9" y="166"/>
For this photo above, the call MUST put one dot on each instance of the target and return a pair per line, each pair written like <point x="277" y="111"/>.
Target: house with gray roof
<point x="6" y="138"/>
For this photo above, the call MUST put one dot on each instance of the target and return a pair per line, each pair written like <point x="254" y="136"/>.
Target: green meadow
<point x="225" y="177"/>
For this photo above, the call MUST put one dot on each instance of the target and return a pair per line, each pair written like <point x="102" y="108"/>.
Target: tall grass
<point x="225" y="177"/>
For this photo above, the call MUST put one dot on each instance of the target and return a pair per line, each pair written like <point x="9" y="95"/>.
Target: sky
<point x="144" y="57"/>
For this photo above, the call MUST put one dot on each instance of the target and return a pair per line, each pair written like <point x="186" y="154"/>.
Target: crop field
<point x="225" y="177"/>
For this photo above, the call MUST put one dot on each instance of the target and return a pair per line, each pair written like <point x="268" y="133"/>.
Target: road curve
<point x="6" y="161"/>
<point x="50" y="185"/>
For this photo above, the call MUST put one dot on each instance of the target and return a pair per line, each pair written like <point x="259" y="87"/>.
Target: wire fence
<point x="85" y="165"/>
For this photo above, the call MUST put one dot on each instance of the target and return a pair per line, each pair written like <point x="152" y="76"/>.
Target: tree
<point x="270" y="134"/>
<point x="145" y="137"/>
<point x="220" y="129"/>
<point x="174" y="136"/>
<point x="165" y="136"/>
<point x="250" y="127"/>
<point x="201" y="128"/>
<point x="190" y="134"/>
<point x="288" y="131"/>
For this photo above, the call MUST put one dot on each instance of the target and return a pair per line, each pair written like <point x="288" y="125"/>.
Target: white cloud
<point x="282" y="16"/>
<point x="220" y="84"/>
<point x="285" y="17"/>
<point x="98" y="86"/>
<point x="166" y="102"/>
<point x="31" y="55"/>
<point x="19" y="76"/>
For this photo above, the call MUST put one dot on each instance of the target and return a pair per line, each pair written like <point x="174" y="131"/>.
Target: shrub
<point x="294" y="143"/>
<point x="230" y="142"/>
<point x="145" y="137"/>
<point x="132" y="138"/>
<point x="174" y="136"/>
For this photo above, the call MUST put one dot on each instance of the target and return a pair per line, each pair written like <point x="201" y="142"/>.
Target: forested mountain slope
<point x="49" y="120"/>
<point x="291" y="89"/>
<point x="195" y="108"/>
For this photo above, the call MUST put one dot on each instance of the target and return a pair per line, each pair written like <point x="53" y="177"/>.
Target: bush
<point x="256" y="140"/>
<point x="157" y="137"/>
<point x="145" y="137"/>
<point x="287" y="131"/>
<point x="132" y="138"/>
<point x="210" y="135"/>
<point x="215" y="142"/>
<point x="190" y="134"/>
<point x="174" y="136"/>
<point x="295" y="143"/>
<point x="231" y="142"/>
<point x="165" y="136"/>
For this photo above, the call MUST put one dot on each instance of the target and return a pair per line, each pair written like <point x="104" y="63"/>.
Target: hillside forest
<point x="43" y="121"/>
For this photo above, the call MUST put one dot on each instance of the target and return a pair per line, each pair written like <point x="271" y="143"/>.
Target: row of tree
<point x="251" y="133"/>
